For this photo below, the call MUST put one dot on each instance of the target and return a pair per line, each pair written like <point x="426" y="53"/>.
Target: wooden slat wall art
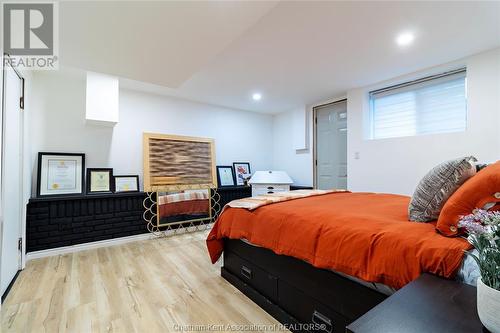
<point x="174" y="162"/>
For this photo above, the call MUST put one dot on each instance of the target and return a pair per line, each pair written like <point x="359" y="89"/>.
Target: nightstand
<point x="268" y="182"/>
<point x="428" y="304"/>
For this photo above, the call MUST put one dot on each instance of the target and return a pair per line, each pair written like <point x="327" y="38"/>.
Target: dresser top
<point x="428" y="304"/>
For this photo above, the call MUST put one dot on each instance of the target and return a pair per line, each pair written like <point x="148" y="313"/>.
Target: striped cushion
<point x="437" y="186"/>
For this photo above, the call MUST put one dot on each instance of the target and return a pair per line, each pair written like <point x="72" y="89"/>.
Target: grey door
<point x="331" y="146"/>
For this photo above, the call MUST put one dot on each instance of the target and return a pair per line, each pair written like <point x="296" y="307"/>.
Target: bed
<point x="318" y="263"/>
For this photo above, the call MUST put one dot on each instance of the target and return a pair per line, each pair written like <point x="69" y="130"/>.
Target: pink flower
<point x="478" y="222"/>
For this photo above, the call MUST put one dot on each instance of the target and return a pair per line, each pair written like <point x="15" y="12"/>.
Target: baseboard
<point x="86" y="246"/>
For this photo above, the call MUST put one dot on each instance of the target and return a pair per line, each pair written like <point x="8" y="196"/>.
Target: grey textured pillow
<point x="437" y="186"/>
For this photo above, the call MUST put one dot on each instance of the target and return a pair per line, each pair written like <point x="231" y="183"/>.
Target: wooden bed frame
<point x="298" y="295"/>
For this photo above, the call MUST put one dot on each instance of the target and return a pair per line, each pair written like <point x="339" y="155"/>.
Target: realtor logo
<point x="30" y="34"/>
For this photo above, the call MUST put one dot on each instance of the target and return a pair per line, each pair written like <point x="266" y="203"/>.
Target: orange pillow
<point x="476" y="192"/>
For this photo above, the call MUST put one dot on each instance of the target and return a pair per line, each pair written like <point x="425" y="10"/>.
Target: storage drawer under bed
<point x="316" y="316"/>
<point x="343" y="295"/>
<point x="309" y="312"/>
<point x="300" y="292"/>
<point x="262" y="281"/>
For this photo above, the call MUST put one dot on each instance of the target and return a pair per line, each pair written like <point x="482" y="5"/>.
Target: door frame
<point x="315" y="130"/>
<point x="6" y="60"/>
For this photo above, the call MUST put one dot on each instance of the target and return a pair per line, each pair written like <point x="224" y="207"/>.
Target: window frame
<point x="399" y="86"/>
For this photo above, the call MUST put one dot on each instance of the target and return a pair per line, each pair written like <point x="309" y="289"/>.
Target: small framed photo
<point x="99" y="180"/>
<point x="242" y="172"/>
<point x="127" y="183"/>
<point x="225" y="175"/>
<point x="60" y="174"/>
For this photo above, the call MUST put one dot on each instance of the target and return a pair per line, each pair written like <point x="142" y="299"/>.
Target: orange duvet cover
<point x="365" y="235"/>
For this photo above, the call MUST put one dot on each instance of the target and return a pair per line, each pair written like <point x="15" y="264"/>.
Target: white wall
<point x="102" y="99"/>
<point x="389" y="165"/>
<point x="297" y="163"/>
<point x="58" y="124"/>
<point x="396" y="165"/>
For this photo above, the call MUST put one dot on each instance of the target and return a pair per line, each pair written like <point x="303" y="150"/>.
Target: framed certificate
<point x="126" y="183"/>
<point x="225" y="175"/>
<point x="60" y="174"/>
<point x="99" y="180"/>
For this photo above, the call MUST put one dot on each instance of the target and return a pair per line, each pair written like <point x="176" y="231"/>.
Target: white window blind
<point x="435" y="104"/>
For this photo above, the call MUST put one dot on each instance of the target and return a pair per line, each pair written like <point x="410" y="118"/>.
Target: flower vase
<point x="488" y="306"/>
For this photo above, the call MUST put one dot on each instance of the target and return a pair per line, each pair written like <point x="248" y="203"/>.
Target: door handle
<point x="320" y="319"/>
<point x="246" y="272"/>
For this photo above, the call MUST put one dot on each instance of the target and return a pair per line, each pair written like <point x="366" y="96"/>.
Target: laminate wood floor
<point x="145" y="286"/>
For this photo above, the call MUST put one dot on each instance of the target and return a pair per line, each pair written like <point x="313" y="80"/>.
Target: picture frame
<point x="241" y="171"/>
<point x="100" y="180"/>
<point x="60" y="174"/>
<point x="126" y="183"/>
<point x="225" y="176"/>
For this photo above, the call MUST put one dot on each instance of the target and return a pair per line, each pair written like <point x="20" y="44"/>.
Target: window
<point x="436" y="104"/>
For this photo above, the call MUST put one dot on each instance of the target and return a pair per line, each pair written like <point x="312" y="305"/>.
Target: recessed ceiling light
<point x="256" y="96"/>
<point x="405" y="38"/>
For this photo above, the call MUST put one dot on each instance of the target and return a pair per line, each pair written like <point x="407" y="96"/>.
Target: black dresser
<point x="230" y="193"/>
<point x="63" y="221"/>
<point x="53" y="222"/>
<point x="428" y="304"/>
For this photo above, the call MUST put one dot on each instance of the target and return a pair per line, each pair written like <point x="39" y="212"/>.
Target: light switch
<point x="356" y="155"/>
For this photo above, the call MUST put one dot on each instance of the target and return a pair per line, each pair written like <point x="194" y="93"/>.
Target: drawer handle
<point x="270" y="188"/>
<point x="246" y="272"/>
<point x="270" y="192"/>
<point x="323" y="321"/>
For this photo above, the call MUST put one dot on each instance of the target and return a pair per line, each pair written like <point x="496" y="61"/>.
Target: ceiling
<point x="161" y="42"/>
<point x="293" y="52"/>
